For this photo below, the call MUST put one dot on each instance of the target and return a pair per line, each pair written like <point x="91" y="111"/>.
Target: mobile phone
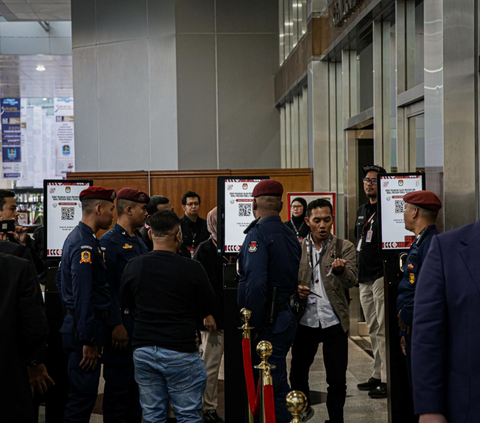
<point x="7" y="226"/>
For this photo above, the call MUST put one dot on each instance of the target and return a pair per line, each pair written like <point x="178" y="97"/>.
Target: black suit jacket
<point x="446" y="334"/>
<point x="23" y="330"/>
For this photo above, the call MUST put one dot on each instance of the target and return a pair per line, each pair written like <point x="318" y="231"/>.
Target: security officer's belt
<point x="282" y="307"/>
<point x="98" y="314"/>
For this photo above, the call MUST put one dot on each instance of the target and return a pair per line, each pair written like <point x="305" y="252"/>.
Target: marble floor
<point x="359" y="407"/>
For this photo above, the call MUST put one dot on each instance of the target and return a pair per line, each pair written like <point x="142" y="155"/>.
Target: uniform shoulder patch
<point x="89" y="247"/>
<point x="410" y="266"/>
<point x="86" y="257"/>
<point x="252" y="247"/>
<point x="127" y="246"/>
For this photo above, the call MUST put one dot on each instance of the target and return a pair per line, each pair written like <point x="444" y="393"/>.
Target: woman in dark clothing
<point x="297" y="223"/>
<point x="212" y="341"/>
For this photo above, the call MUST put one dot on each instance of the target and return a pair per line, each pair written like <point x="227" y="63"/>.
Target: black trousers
<point x="335" y="356"/>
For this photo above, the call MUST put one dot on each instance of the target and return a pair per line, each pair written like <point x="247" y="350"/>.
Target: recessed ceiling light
<point x="40" y="68"/>
<point x="44" y="99"/>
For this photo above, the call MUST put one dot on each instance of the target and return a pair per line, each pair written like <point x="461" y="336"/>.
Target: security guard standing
<point x="268" y="268"/>
<point x="420" y="215"/>
<point x="122" y="243"/>
<point x="85" y="296"/>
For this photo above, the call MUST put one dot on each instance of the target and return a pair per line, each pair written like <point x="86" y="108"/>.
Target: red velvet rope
<point x="247" y="367"/>
<point x="269" y="404"/>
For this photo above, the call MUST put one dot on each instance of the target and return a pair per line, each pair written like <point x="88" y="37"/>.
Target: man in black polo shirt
<point x="168" y="292"/>
<point x="194" y="228"/>
<point x="370" y="278"/>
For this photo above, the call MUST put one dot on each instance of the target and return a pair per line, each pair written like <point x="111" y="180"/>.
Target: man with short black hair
<point x="327" y="271"/>
<point x="8" y="211"/>
<point x="370" y="278"/>
<point x="121" y="244"/>
<point x="156" y="203"/>
<point x="86" y="298"/>
<point x="194" y="228"/>
<point x="168" y="293"/>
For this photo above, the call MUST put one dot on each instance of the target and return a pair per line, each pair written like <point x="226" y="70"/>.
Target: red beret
<point x="268" y="187"/>
<point x="424" y="199"/>
<point x="98" y="193"/>
<point x="132" y="194"/>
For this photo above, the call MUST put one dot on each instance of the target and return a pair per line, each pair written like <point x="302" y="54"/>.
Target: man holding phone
<point x="10" y="230"/>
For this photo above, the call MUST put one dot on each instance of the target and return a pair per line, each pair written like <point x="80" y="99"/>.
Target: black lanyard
<point x="297" y="232"/>
<point x="322" y="251"/>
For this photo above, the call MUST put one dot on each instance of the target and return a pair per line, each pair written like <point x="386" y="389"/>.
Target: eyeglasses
<point x="297" y="207"/>
<point x="368" y="180"/>
<point x="193" y="204"/>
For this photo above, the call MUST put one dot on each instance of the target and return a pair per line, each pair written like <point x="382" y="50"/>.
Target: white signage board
<point x="63" y="211"/>
<point x="392" y="188"/>
<point x="238" y="211"/>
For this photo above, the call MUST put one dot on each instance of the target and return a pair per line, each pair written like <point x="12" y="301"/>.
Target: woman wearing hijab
<point x="212" y="341"/>
<point x="297" y="222"/>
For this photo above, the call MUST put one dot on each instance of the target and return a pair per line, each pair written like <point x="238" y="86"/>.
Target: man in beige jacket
<point x="327" y="270"/>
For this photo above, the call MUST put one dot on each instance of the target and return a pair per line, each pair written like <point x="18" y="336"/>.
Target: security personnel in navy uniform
<point x="420" y="215"/>
<point x="268" y="268"/>
<point x="86" y="298"/>
<point x="122" y="243"/>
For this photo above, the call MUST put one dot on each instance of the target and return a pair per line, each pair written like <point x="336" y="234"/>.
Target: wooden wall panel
<point x="173" y="184"/>
<point x="114" y="180"/>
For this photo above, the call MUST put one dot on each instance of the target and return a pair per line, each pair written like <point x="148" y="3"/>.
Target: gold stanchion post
<point x="264" y="351"/>
<point x="296" y="404"/>
<point x="246" y="315"/>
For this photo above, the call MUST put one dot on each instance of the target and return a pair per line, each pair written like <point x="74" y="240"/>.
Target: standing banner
<point x="311" y="196"/>
<point x="64" y="135"/>
<point x="63" y="211"/>
<point x="391" y="187"/>
<point x="235" y="210"/>
<point x="11" y="139"/>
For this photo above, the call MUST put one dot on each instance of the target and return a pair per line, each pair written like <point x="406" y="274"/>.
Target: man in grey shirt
<point x="327" y="270"/>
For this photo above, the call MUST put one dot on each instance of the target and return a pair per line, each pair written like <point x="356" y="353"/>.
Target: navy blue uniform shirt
<point x="406" y="288"/>
<point x="84" y="285"/>
<point x="270" y="257"/>
<point x="119" y="248"/>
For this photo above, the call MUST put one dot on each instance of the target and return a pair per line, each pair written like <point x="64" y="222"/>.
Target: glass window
<point x="365" y="73"/>
<point x="414" y="44"/>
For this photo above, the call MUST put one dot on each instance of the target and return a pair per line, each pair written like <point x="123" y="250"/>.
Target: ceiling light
<point x="44" y="99"/>
<point x="40" y="68"/>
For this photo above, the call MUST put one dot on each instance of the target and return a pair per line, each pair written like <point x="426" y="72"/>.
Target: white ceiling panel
<point x="19" y="77"/>
<point x="36" y="10"/>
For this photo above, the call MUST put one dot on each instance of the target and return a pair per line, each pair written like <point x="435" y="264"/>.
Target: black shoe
<point x="379" y="392"/>
<point x="211" y="416"/>
<point x="307" y="414"/>
<point x="370" y="384"/>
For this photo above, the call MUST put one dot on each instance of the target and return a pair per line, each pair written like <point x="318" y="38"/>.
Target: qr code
<point x="68" y="213"/>
<point x="244" y="210"/>
<point x="399" y="206"/>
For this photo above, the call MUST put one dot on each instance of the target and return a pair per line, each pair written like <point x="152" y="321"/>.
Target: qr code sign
<point x="244" y="210"/>
<point x="399" y="206"/>
<point x="68" y="213"/>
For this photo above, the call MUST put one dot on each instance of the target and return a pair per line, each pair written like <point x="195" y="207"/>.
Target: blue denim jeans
<point x="165" y="375"/>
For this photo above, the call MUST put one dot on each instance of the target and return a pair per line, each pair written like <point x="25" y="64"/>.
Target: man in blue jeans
<point x="168" y="293"/>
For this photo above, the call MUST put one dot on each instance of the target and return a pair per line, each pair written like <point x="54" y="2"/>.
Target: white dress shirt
<point x="319" y="311"/>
